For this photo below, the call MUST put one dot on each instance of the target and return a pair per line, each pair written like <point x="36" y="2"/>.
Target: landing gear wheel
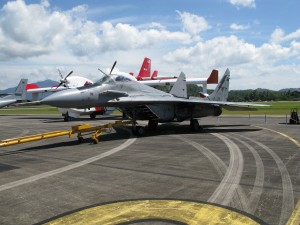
<point x="138" y="130"/>
<point x="80" y="140"/>
<point x="93" y="116"/>
<point x="194" y="125"/>
<point x="67" y="118"/>
<point x="152" y="124"/>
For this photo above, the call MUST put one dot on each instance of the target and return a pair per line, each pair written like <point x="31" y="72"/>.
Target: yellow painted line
<point x="282" y="134"/>
<point x="295" y="217"/>
<point x="191" y="213"/>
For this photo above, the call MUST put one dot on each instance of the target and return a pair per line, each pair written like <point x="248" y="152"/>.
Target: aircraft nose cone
<point x="63" y="99"/>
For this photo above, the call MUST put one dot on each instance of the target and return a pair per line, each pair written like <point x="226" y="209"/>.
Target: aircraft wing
<point x="148" y="100"/>
<point x="47" y="89"/>
<point x="164" y="82"/>
<point x="6" y="102"/>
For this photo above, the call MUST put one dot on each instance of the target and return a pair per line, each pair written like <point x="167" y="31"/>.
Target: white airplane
<point x="154" y="80"/>
<point x="19" y="95"/>
<point x="65" y="83"/>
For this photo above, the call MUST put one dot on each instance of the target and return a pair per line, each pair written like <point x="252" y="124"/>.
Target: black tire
<point x="194" y="125"/>
<point x="138" y="131"/>
<point x="80" y="140"/>
<point x="152" y="124"/>
<point x="93" y="116"/>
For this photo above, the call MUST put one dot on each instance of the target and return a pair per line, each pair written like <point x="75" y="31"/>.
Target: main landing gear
<point x="194" y="125"/>
<point x="152" y="124"/>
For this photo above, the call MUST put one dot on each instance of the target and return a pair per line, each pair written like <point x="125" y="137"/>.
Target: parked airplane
<point x="154" y="80"/>
<point x="19" y="95"/>
<point x="65" y="83"/>
<point x="141" y="102"/>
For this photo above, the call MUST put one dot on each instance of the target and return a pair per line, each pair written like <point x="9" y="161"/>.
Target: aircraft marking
<point x="186" y="212"/>
<point x="20" y="182"/>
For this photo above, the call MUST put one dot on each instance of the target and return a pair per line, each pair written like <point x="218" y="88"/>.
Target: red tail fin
<point x="213" y="78"/>
<point x="154" y="75"/>
<point x="31" y="86"/>
<point x="145" y="69"/>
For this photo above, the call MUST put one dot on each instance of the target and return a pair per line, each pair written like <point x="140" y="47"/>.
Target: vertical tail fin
<point x="221" y="91"/>
<point x="179" y="89"/>
<point x="20" y="92"/>
<point x="154" y="75"/>
<point x="213" y="77"/>
<point x="145" y="69"/>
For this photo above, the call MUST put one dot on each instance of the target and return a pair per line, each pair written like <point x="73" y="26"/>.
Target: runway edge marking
<point x="282" y="134"/>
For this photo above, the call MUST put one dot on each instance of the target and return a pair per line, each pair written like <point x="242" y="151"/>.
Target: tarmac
<point x="237" y="170"/>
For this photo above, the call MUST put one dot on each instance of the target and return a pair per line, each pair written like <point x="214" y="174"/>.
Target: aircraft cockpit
<point x="111" y="79"/>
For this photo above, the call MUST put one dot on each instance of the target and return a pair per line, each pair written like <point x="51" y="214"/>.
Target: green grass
<point x="30" y="110"/>
<point x="277" y="108"/>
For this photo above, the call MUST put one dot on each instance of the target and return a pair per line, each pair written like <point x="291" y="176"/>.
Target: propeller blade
<point x="102" y="72"/>
<point x="59" y="85"/>
<point x="113" y="67"/>
<point x="60" y="74"/>
<point x="69" y="74"/>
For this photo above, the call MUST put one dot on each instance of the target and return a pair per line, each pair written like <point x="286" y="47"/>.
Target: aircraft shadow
<point x="122" y="133"/>
<point x="59" y="119"/>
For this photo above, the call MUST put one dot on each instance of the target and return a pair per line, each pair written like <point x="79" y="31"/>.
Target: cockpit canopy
<point x="113" y="78"/>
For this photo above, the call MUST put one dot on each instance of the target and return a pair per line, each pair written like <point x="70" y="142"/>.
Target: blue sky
<point x="258" y="40"/>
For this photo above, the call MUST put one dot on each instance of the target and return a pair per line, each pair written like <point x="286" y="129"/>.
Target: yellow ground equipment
<point x="80" y="130"/>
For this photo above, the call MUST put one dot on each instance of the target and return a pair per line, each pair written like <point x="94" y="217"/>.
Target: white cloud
<point x="243" y="3"/>
<point x="235" y="26"/>
<point x="192" y="23"/>
<point x="278" y="36"/>
<point x="35" y="39"/>
<point x="33" y="30"/>
<point x="252" y="63"/>
<point x="30" y="30"/>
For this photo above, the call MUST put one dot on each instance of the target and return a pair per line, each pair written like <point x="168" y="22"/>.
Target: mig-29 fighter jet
<point x="141" y="102"/>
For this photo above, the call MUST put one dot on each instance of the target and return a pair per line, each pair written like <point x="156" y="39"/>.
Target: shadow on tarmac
<point x="122" y="133"/>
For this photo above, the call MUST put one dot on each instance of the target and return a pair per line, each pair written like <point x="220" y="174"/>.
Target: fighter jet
<point x="142" y="102"/>
<point x="19" y="95"/>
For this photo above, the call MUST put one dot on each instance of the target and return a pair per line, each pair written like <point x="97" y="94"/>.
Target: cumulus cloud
<point x="234" y="51"/>
<point x="243" y="3"/>
<point x="193" y="24"/>
<point x="279" y="36"/>
<point x="36" y="29"/>
<point x="30" y="30"/>
<point x="235" y="26"/>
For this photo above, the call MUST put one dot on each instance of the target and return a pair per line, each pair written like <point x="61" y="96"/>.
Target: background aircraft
<point x="142" y="102"/>
<point x="65" y="83"/>
<point x="154" y="80"/>
<point x="19" y="95"/>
